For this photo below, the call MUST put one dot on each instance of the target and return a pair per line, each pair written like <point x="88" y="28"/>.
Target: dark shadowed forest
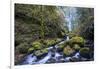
<point x="53" y="34"/>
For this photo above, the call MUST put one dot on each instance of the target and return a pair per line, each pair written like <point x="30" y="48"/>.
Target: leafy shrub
<point x="22" y="48"/>
<point x="60" y="34"/>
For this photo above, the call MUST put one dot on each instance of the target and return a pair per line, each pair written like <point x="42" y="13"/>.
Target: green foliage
<point x="22" y="48"/>
<point x="68" y="51"/>
<point x="84" y="52"/>
<point x="35" y="22"/>
<point x="86" y="23"/>
<point x="60" y="34"/>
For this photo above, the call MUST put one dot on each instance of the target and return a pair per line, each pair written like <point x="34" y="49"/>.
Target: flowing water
<point x="70" y="16"/>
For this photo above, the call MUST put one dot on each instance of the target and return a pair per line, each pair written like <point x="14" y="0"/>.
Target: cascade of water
<point x="70" y="16"/>
<point x="45" y="59"/>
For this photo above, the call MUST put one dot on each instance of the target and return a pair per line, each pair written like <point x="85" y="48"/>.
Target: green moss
<point x="71" y="35"/>
<point x="61" y="46"/>
<point x="30" y="49"/>
<point x="44" y="50"/>
<point x="50" y="42"/>
<point x="76" y="47"/>
<point x="41" y="52"/>
<point x="77" y="40"/>
<point x="22" y="48"/>
<point x="37" y="45"/>
<point x="84" y="52"/>
<point x="68" y="51"/>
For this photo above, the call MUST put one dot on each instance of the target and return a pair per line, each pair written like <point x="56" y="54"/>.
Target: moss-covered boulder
<point x="85" y="52"/>
<point x="76" y="47"/>
<point x="49" y="42"/>
<point x="70" y="34"/>
<point x="67" y="51"/>
<point x="77" y="40"/>
<point x="30" y="50"/>
<point x="44" y="51"/>
<point x="40" y="53"/>
<point x="37" y="45"/>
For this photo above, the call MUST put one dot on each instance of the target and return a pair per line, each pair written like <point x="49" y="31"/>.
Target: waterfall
<point x="70" y="15"/>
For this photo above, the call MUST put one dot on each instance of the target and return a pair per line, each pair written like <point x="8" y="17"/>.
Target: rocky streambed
<point x="53" y="54"/>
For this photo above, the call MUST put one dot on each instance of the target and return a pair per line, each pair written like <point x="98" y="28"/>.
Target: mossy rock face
<point x="85" y="52"/>
<point x="36" y="45"/>
<point x="76" y="47"/>
<point x="68" y="51"/>
<point x="77" y="40"/>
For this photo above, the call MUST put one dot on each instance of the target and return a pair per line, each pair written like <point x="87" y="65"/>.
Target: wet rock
<point x="85" y="52"/>
<point x="74" y="59"/>
<point x="67" y="59"/>
<point x="41" y="53"/>
<point x="76" y="40"/>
